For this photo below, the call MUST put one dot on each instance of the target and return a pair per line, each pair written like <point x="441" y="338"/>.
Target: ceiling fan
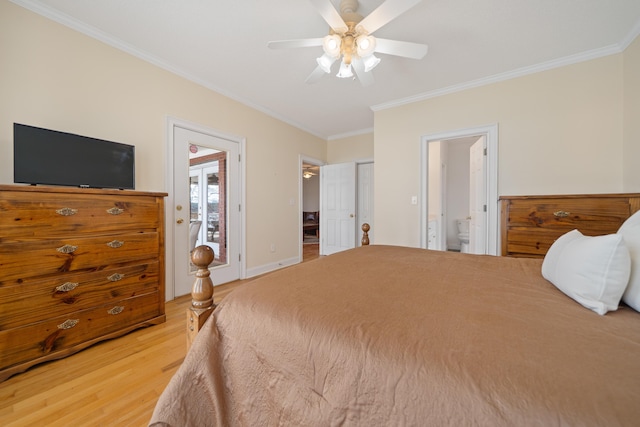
<point x="350" y="39"/>
<point x="307" y="171"/>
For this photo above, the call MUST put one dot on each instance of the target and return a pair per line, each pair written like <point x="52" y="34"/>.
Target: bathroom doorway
<point x="459" y="191"/>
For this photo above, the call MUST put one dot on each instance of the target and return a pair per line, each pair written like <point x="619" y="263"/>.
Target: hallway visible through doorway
<point x="310" y="251"/>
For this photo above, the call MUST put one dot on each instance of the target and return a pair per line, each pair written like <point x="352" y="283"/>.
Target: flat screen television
<point x="49" y="157"/>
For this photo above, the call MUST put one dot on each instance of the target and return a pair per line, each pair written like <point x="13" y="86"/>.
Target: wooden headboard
<point x="530" y="224"/>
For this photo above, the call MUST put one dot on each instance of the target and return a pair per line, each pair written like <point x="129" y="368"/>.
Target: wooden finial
<point x="201" y="292"/>
<point x="202" y="289"/>
<point x="365" y="234"/>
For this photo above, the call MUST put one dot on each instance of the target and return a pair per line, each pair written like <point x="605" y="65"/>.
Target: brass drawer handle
<point x="115" y="277"/>
<point x="67" y="249"/>
<point x="68" y="324"/>
<point x="67" y="211"/>
<point x="116" y="310"/>
<point x="115" y="211"/>
<point x="66" y="287"/>
<point x="561" y="214"/>
<point x="115" y="244"/>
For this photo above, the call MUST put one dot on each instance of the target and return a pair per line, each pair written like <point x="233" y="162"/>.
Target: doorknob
<point x="180" y="221"/>
<point x="350" y="215"/>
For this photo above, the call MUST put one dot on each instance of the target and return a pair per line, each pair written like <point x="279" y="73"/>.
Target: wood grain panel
<point x="24" y="303"/>
<point x="23" y="217"/>
<point x="90" y="252"/>
<point x="38" y="340"/>
<point x="530" y="224"/>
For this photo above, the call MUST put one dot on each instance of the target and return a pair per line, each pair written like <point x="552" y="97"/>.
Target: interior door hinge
<point x="485" y="151"/>
<point x="239" y="257"/>
<point x="239" y="157"/>
<point x="484" y="208"/>
<point x="239" y="208"/>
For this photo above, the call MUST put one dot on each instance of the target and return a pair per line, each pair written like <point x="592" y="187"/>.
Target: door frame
<point x="302" y="159"/>
<point x="171" y="123"/>
<point x="491" y="178"/>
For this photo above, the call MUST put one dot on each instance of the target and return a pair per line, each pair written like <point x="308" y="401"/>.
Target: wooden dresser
<point x="530" y="224"/>
<point x="76" y="266"/>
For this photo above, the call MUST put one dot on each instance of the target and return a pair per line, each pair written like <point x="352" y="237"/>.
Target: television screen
<point x="42" y="156"/>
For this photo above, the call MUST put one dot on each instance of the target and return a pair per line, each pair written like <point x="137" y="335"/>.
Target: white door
<point x="477" y="198"/>
<point x="365" y="201"/>
<point x="337" y="207"/>
<point x="206" y="191"/>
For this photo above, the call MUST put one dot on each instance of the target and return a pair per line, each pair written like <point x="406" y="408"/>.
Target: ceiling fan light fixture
<point x="365" y="45"/>
<point x="325" y="62"/>
<point x="331" y="45"/>
<point x="350" y="38"/>
<point x="345" y="71"/>
<point x="370" y="62"/>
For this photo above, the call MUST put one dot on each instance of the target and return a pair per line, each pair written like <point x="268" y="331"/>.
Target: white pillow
<point x="630" y="231"/>
<point x="594" y="271"/>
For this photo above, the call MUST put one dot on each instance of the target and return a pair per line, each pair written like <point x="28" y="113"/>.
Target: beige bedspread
<point x="393" y="336"/>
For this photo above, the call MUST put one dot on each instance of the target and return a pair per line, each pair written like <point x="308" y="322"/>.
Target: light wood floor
<point x="113" y="383"/>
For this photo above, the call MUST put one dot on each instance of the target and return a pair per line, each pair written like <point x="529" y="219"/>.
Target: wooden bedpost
<point x="365" y="234"/>
<point x="201" y="292"/>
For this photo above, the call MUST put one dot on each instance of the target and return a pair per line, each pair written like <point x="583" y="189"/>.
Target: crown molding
<point x="545" y="66"/>
<point x="95" y="33"/>
<point x="349" y="134"/>
<point x="633" y="34"/>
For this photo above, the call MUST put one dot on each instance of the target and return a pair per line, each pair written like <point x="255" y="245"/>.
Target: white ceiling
<point x="222" y="44"/>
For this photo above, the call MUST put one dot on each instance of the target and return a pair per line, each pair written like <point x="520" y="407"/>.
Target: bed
<point x="386" y="335"/>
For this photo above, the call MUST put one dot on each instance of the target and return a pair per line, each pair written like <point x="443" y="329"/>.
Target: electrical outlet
<point x="414" y="200"/>
<point x="272" y="247"/>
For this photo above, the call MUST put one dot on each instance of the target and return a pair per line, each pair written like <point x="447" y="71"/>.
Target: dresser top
<point x="570" y="196"/>
<point x="75" y="190"/>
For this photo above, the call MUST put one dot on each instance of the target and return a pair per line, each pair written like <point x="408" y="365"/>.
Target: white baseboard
<point x="267" y="268"/>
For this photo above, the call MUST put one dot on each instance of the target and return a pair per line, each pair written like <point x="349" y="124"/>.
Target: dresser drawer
<point x="530" y="243"/>
<point x="530" y="224"/>
<point x="39" y="340"/>
<point x="51" y="214"/>
<point x="594" y="216"/>
<point x="21" y="260"/>
<point x="63" y="294"/>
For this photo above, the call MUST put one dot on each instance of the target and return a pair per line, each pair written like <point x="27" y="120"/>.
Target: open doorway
<point x="450" y="209"/>
<point x="309" y="208"/>
<point x="459" y="191"/>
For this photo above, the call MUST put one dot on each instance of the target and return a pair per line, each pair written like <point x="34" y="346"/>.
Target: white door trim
<point x="171" y="123"/>
<point x="491" y="173"/>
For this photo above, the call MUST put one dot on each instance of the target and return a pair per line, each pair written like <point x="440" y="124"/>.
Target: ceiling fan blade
<point x="315" y="75"/>
<point x="365" y="77"/>
<point x="399" y="48"/>
<point x="287" y="44"/>
<point x="385" y="13"/>
<point x="330" y="15"/>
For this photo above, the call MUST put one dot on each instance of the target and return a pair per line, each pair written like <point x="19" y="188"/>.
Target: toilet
<point x="463" y="234"/>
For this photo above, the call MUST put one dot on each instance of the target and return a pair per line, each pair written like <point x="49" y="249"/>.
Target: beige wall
<point x="560" y="131"/>
<point x="56" y="78"/>
<point x="350" y="149"/>
<point x="632" y="117"/>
